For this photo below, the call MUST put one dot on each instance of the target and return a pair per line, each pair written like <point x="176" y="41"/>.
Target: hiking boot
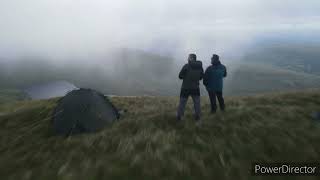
<point x="213" y="111"/>
<point x="197" y="118"/>
<point x="178" y="118"/>
<point x="223" y="109"/>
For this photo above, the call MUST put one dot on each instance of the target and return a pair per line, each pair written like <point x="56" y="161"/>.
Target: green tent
<point x="83" y="111"/>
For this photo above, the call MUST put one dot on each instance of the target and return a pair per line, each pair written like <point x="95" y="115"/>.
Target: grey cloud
<point x="74" y="27"/>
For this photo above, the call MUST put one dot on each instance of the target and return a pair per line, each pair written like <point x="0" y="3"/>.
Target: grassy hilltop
<point x="147" y="143"/>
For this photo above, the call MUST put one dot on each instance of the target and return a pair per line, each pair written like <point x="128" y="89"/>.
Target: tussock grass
<point x="147" y="143"/>
<point x="11" y="95"/>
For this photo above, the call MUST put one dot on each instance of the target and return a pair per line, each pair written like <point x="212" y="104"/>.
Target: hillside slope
<point x="123" y="72"/>
<point x="147" y="143"/>
<point x="300" y="57"/>
<point x="254" y="78"/>
<point x="266" y="67"/>
<point x="11" y="95"/>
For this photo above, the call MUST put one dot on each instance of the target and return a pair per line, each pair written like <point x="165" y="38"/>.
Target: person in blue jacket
<point x="213" y="80"/>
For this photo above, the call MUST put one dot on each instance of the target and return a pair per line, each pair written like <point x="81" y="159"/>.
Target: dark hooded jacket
<point x="191" y="74"/>
<point x="213" y="77"/>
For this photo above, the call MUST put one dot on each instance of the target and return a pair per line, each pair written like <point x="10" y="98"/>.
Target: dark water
<point x="50" y="90"/>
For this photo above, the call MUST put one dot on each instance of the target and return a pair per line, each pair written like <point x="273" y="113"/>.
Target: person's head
<point x="215" y="59"/>
<point x="192" y="57"/>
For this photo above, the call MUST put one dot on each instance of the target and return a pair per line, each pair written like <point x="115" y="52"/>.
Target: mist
<point x="77" y="29"/>
<point x="141" y="45"/>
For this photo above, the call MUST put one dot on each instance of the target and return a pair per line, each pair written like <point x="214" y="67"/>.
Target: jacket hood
<point x="216" y="62"/>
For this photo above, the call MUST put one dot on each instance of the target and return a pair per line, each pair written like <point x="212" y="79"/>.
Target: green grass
<point x="147" y="143"/>
<point x="11" y="95"/>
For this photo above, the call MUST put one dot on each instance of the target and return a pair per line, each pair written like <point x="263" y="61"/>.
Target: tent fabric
<point x="83" y="111"/>
<point x="316" y="116"/>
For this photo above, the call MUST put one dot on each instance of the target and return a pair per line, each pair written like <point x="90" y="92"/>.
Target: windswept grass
<point x="147" y="143"/>
<point x="11" y="95"/>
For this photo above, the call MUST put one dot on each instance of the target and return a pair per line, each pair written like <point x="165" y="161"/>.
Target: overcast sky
<point x="63" y="28"/>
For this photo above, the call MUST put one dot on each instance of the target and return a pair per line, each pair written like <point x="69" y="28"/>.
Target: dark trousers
<point x="213" y="95"/>
<point x="196" y="106"/>
<point x="184" y="95"/>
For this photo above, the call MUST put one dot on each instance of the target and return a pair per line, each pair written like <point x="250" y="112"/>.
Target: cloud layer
<point x="71" y="28"/>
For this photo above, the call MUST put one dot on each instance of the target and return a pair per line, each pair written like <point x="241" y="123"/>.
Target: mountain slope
<point x="302" y="57"/>
<point x="147" y="143"/>
<point x="268" y="66"/>
<point x="256" y="78"/>
<point x="123" y="72"/>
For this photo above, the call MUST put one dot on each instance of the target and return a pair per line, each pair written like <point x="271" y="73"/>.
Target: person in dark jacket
<point x="213" y="80"/>
<point x="191" y="74"/>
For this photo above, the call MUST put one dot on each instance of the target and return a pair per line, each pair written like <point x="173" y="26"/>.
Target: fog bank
<point x="65" y="30"/>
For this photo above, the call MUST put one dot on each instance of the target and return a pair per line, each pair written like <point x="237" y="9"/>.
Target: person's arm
<point x="205" y="77"/>
<point x="202" y="74"/>
<point x="225" y="72"/>
<point x="183" y="72"/>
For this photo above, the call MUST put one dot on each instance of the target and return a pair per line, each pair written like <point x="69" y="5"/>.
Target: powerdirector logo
<point x="285" y="169"/>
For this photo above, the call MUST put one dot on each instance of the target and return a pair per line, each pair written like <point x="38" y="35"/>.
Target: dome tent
<point x="316" y="116"/>
<point x="83" y="111"/>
